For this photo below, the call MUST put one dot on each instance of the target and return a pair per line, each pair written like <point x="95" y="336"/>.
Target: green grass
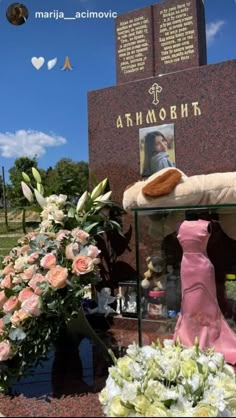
<point x="8" y="242"/>
<point x="16" y="227"/>
<point x="12" y="227"/>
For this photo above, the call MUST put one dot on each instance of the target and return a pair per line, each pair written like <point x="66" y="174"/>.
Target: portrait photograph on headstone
<point x="156" y="148"/>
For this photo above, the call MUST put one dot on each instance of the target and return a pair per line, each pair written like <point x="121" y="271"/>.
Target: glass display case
<point x="158" y="263"/>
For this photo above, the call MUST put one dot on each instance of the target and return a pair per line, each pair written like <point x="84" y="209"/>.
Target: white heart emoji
<point x="37" y="62"/>
<point x="52" y="63"/>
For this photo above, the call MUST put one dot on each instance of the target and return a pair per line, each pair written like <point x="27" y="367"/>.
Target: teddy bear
<point x="154" y="277"/>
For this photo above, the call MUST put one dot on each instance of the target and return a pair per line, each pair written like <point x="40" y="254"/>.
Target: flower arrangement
<point x="45" y="277"/>
<point x="169" y="380"/>
<point x="95" y="212"/>
<point x="41" y="288"/>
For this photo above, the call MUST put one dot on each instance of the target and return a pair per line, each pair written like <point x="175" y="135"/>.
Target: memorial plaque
<point x="200" y="103"/>
<point x="179" y="35"/>
<point x="166" y="37"/>
<point x="134" y="45"/>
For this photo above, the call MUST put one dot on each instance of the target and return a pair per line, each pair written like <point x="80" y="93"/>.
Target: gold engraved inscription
<point x="132" y="44"/>
<point x="183" y="110"/>
<point x="176" y="33"/>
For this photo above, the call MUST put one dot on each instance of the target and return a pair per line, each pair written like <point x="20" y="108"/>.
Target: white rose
<point x="52" y="198"/>
<point x="58" y="215"/>
<point x="45" y="214"/>
<point x="112" y="388"/>
<point x="62" y="198"/>
<point x="218" y="359"/>
<point x="51" y="208"/>
<point x="149" y="352"/>
<point x="20" y="264"/>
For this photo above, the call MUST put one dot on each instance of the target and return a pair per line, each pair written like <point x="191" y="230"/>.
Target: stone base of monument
<point x="75" y="369"/>
<point x="126" y="329"/>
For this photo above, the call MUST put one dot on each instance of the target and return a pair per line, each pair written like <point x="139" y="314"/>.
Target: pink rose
<point x="18" y="317"/>
<point x="31" y="305"/>
<point x="70" y="248"/>
<point x="6" y="282"/>
<point x="62" y="234"/>
<point x="48" y="261"/>
<point x="8" y="269"/>
<point x="80" y="235"/>
<point x="3" y="298"/>
<point x="21" y="240"/>
<point x="45" y="225"/>
<point x="1" y="326"/>
<point x="82" y="265"/>
<point x="25" y="293"/>
<point x="17" y="279"/>
<point x="28" y="273"/>
<point x="37" y="278"/>
<point x="6" y="259"/>
<point x="5" y="350"/>
<point x="57" y="277"/>
<point x="93" y="251"/>
<point x="11" y="304"/>
<point x="15" y="251"/>
<point x="31" y="235"/>
<point x="32" y="258"/>
<point x="24" y="249"/>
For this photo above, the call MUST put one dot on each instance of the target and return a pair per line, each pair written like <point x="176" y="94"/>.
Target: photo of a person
<point x="17" y="14"/>
<point x="155" y="147"/>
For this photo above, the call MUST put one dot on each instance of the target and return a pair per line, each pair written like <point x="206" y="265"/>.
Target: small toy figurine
<point x="154" y="277"/>
<point x="104" y="300"/>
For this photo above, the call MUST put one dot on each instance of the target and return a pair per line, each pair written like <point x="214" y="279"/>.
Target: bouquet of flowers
<point x="169" y="380"/>
<point x="45" y="277"/>
<point x="41" y="288"/>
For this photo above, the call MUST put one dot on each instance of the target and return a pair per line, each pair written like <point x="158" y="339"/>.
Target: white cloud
<point x="27" y="143"/>
<point x="212" y="29"/>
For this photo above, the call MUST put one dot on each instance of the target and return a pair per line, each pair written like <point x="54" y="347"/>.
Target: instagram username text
<point x="56" y="14"/>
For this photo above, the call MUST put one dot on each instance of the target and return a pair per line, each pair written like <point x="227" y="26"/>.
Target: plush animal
<point x="154" y="277"/>
<point x="170" y="187"/>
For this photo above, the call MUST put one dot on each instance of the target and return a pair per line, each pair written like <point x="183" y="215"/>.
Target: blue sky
<point x="45" y="112"/>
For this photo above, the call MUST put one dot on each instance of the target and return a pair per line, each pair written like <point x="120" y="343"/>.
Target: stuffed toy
<point x="154" y="277"/>
<point x="170" y="187"/>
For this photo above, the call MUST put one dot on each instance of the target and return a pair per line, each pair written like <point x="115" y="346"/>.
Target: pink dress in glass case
<point x="200" y="313"/>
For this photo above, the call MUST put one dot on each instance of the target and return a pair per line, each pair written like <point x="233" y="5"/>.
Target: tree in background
<point x="67" y="177"/>
<point x="14" y="191"/>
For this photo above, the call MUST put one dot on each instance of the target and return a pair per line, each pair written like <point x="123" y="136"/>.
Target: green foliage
<point x="67" y="177"/>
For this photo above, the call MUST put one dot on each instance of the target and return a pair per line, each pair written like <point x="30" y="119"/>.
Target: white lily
<point x="81" y="202"/>
<point x="40" y="199"/>
<point x="27" y="192"/>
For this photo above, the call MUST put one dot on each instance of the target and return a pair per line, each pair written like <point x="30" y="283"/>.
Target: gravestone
<point x="166" y="84"/>
<point x="166" y="37"/>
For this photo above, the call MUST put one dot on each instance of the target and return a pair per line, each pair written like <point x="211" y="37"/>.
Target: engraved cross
<point x="154" y="90"/>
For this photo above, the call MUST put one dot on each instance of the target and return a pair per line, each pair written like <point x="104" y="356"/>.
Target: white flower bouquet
<point x="169" y="380"/>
